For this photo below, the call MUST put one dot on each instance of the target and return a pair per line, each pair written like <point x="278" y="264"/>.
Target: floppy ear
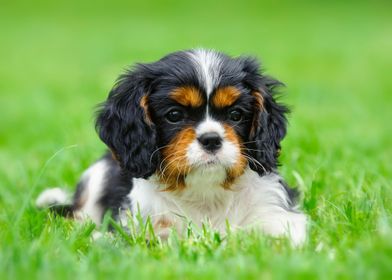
<point x="124" y="125"/>
<point x="269" y="120"/>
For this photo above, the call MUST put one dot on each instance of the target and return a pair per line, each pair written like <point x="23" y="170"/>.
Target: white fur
<point x="54" y="196"/>
<point x="208" y="65"/>
<point x="254" y="201"/>
<point x="93" y="180"/>
<point x="209" y="125"/>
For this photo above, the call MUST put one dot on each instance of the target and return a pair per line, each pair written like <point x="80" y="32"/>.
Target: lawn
<point x="58" y="60"/>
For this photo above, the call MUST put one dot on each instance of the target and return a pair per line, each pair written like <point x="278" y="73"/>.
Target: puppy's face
<point x="201" y="130"/>
<point x="193" y="110"/>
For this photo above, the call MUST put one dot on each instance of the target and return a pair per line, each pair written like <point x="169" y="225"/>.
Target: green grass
<point x="57" y="60"/>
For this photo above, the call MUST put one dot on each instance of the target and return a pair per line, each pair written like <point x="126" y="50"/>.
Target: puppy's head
<point x="193" y="110"/>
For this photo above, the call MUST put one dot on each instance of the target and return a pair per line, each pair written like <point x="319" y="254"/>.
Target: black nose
<point x="211" y="141"/>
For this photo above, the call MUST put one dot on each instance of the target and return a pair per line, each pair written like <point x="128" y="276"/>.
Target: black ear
<point x="124" y="125"/>
<point x="269" y="120"/>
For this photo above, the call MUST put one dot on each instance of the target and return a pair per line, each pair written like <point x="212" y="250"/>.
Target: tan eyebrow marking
<point x="187" y="96"/>
<point x="225" y="96"/>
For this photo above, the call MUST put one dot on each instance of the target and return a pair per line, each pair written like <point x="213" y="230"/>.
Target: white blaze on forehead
<point x="208" y="64"/>
<point x="210" y="125"/>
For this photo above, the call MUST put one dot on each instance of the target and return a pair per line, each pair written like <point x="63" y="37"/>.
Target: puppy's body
<point x="194" y="136"/>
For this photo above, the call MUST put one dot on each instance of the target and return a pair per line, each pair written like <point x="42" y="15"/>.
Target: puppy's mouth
<point x="210" y="163"/>
<point x="208" y="160"/>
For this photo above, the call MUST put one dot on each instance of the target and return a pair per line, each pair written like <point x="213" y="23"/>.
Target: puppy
<point x="194" y="136"/>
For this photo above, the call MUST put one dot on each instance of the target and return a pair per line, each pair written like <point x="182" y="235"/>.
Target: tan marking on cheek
<point x="238" y="168"/>
<point x="187" y="96"/>
<point x="258" y="109"/>
<point x="225" y="97"/>
<point x="174" y="166"/>
<point x="144" y="105"/>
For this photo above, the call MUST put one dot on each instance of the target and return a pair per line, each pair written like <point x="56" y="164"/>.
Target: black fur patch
<point x="118" y="184"/>
<point x="293" y="194"/>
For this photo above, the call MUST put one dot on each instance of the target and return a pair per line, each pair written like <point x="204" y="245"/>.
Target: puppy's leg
<point x="90" y="189"/>
<point x="274" y="209"/>
<point x="87" y="199"/>
<point x="281" y="222"/>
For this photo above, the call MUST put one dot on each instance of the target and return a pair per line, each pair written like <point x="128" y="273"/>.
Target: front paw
<point x="287" y="224"/>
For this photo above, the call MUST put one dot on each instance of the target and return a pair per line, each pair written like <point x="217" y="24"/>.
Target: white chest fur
<point x="253" y="201"/>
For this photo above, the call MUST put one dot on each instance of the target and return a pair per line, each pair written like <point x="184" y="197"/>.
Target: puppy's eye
<point x="235" y="115"/>
<point x="175" y="116"/>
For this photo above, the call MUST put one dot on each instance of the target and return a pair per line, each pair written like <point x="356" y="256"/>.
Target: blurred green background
<point x="58" y="59"/>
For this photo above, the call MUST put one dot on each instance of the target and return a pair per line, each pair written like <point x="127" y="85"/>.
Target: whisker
<point x="255" y="161"/>
<point x="250" y="142"/>
<point x="166" y="158"/>
<point x="170" y="162"/>
<point x="158" y="150"/>
<point x="252" y="149"/>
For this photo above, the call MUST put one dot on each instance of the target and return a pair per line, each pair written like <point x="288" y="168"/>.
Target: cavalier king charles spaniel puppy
<point x="193" y="137"/>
